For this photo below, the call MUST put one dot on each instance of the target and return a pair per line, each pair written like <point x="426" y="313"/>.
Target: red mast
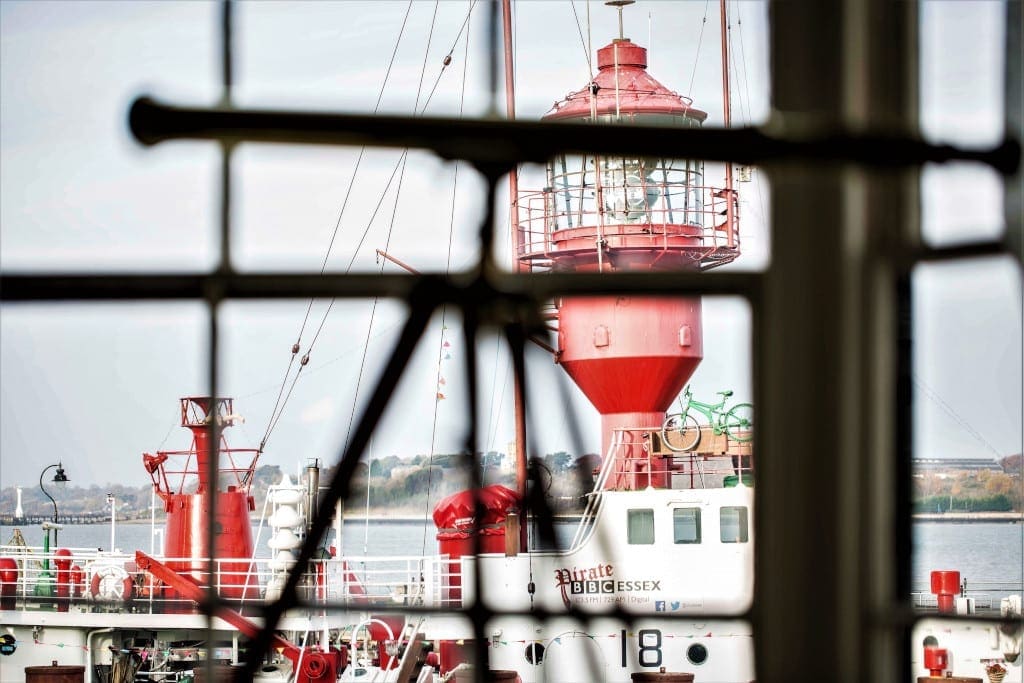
<point x="181" y="480"/>
<point x="519" y="411"/>
<point x="630" y="355"/>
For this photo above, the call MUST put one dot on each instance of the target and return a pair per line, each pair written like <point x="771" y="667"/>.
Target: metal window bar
<point x="854" y="622"/>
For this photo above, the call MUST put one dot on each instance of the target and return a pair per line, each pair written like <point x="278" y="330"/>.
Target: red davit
<point x="182" y="480"/>
<point x="631" y="355"/>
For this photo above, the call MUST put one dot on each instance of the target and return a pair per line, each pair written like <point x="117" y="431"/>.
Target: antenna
<point x="619" y="4"/>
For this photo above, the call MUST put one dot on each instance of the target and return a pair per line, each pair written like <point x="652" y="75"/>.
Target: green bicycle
<point x="681" y="431"/>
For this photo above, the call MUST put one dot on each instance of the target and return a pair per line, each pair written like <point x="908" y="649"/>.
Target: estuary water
<point x="983" y="552"/>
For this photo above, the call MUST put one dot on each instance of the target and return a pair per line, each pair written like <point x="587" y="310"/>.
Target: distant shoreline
<point x="969" y="517"/>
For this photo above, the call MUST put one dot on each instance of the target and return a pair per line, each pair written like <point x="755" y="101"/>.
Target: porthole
<point x="534" y="653"/>
<point x="697" y="654"/>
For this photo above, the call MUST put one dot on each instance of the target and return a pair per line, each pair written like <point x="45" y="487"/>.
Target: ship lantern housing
<point x="630" y="355"/>
<point x="627" y="212"/>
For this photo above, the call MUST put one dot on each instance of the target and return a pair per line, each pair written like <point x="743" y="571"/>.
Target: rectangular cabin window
<point x="686" y="525"/>
<point x="733" y="524"/>
<point x="640" y="529"/>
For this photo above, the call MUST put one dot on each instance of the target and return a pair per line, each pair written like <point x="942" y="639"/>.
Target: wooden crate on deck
<point x="709" y="444"/>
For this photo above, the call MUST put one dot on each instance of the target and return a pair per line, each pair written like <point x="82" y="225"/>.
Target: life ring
<point x="111" y="583"/>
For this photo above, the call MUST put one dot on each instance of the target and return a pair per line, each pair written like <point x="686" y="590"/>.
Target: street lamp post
<point x="59" y="479"/>
<point x="113" y="518"/>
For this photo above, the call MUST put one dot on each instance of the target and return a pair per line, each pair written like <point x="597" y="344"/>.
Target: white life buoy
<point x="111" y="583"/>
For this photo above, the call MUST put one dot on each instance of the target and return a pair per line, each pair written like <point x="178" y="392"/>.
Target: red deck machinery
<point x="311" y="664"/>
<point x="182" y="480"/>
<point x="631" y="355"/>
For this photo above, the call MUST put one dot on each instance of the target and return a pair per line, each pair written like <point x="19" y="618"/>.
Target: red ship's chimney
<point x="631" y="355"/>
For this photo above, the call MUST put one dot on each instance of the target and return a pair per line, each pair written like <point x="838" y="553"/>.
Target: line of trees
<point x="973" y="491"/>
<point x="408" y="484"/>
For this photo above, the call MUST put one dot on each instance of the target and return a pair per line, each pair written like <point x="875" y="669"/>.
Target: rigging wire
<point x="749" y="105"/>
<point x="583" y="42"/>
<point x="444" y="308"/>
<point x="700" y="40"/>
<point x="448" y="56"/>
<point x="176" y="422"/>
<point x="930" y="393"/>
<point x="305" y="358"/>
<point x="400" y="167"/>
<point x="275" y="414"/>
<point x="492" y="431"/>
<point x="373" y="319"/>
<point x="313" y="369"/>
<point x="740" y="67"/>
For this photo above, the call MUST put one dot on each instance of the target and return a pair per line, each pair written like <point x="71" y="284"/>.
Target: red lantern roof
<point x="622" y="65"/>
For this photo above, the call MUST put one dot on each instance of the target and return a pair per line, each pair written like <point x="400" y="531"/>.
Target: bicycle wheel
<point x="680" y="433"/>
<point x="739" y="422"/>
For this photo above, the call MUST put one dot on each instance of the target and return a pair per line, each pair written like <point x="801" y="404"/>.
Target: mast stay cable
<point x="278" y="407"/>
<point x="399" y="167"/>
<point x="700" y="40"/>
<point x="447" y="269"/>
<point x="749" y="116"/>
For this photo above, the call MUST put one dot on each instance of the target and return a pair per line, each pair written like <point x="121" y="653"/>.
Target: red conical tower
<point x="181" y="479"/>
<point x="631" y="355"/>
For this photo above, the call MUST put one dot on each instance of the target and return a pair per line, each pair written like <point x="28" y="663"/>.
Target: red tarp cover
<point x="453" y="516"/>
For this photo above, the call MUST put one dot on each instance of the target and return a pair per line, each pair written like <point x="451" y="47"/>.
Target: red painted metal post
<point x="727" y="123"/>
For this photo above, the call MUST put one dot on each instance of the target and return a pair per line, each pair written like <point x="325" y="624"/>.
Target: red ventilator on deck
<point x="945" y="587"/>
<point x="458" y="529"/>
<point x="936" y="659"/>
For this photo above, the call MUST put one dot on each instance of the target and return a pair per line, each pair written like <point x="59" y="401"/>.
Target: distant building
<point x="969" y="464"/>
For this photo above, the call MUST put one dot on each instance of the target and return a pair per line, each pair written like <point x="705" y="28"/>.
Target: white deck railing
<point x="96" y="581"/>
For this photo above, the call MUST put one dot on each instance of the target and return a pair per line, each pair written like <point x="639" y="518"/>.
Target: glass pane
<point x="686" y="525"/>
<point x="968" y="393"/>
<point x="733" y="521"/>
<point x="78" y="192"/>
<point x="641" y="527"/>
<point x="291" y="55"/>
<point x="93" y="386"/>
<point x="961" y="203"/>
<point x="962" y="62"/>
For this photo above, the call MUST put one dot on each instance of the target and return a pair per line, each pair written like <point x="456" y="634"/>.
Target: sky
<point x="95" y="386"/>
